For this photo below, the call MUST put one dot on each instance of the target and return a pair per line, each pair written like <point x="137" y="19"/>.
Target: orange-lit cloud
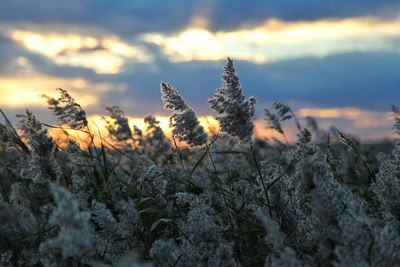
<point x="360" y="118"/>
<point x="277" y="40"/>
<point x="106" y="54"/>
<point x="270" y="41"/>
<point x="27" y="91"/>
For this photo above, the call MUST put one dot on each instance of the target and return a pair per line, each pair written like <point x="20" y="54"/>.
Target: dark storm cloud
<point x="128" y="18"/>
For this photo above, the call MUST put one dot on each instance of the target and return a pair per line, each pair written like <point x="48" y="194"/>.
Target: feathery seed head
<point x="67" y="110"/>
<point x="273" y="121"/>
<point x="284" y="111"/>
<point x="119" y="128"/>
<point x="184" y="121"/>
<point x="171" y="98"/>
<point x="4" y="136"/>
<point x="396" y="115"/>
<point x="38" y="138"/>
<point x="236" y="114"/>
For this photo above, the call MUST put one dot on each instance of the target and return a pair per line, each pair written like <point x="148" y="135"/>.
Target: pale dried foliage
<point x="326" y="200"/>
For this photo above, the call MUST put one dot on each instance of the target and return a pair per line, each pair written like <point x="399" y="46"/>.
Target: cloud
<point x="106" y="54"/>
<point x="360" y="118"/>
<point x="276" y="40"/>
<point x="365" y="123"/>
<point x="124" y="18"/>
<point x="127" y="18"/>
<point x="228" y="15"/>
<point x="27" y="91"/>
<point x="318" y="54"/>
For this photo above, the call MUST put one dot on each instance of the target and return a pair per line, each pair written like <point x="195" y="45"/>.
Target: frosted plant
<point x="172" y="98"/>
<point x="312" y="124"/>
<point x="184" y="121"/>
<point x="284" y="112"/>
<point x="20" y="202"/>
<point x="236" y="114"/>
<point x="5" y="259"/>
<point x="203" y="243"/>
<point x="42" y="165"/>
<point x="317" y="213"/>
<point x="129" y="218"/>
<point x="114" y="237"/>
<point x="321" y="208"/>
<point x="31" y="257"/>
<point x="347" y="139"/>
<point x="41" y="143"/>
<point x="138" y="138"/>
<point x="4" y="136"/>
<point x="273" y="175"/>
<point x="244" y="192"/>
<point x="321" y="136"/>
<point x="396" y="115"/>
<point x="364" y="242"/>
<point x="153" y="127"/>
<point x="103" y="217"/>
<point x="67" y="110"/>
<point x="286" y="258"/>
<point x="157" y="146"/>
<point x="303" y="137"/>
<point x="73" y="237"/>
<point x="316" y="201"/>
<point x="7" y="214"/>
<point x="386" y="186"/>
<point x="280" y="254"/>
<point x="186" y="128"/>
<point x="74" y="154"/>
<point x="273" y="121"/>
<point x="386" y="250"/>
<point x="152" y="181"/>
<point x="16" y="218"/>
<point x="128" y="259"/>
<point x="166" y="253"/>
<point x="119" y="128"/>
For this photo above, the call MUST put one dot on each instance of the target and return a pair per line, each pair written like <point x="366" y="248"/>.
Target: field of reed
<point x="137" y="198"/>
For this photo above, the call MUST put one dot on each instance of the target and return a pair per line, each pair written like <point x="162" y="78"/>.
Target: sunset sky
<point x="338" y="61"/>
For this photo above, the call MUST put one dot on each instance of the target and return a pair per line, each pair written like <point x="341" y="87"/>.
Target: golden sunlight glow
<point x="101" y="61"/>
<point x="107" y="54"/>
<point x="16" y="92"/>
<point x="97" y="126"/>
<point x="277" y="40"/>
<point x="361" y="121"/>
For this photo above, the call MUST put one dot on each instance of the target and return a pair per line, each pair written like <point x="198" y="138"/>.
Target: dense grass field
<point x="226" y="199"/>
